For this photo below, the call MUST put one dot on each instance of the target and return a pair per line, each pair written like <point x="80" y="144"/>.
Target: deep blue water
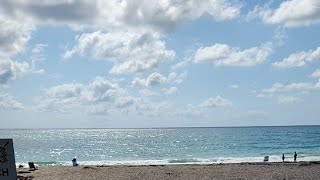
<point x="163" y="146"/>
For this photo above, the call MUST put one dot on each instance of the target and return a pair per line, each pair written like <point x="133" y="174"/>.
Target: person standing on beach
<point x="283" y="157"/>
<point x="295" y="157"/>
<point x="74" y="162"/>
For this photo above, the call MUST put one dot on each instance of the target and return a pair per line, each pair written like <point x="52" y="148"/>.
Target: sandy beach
<point x="300" y="170"/>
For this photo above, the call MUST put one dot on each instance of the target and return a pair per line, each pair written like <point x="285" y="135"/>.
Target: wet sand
<point x="300" y="170"/>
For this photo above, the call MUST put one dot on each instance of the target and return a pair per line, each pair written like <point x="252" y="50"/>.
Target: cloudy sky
<point x="159" y="63"/>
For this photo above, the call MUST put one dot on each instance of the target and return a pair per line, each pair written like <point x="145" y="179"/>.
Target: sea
<point x="156" y="146"/>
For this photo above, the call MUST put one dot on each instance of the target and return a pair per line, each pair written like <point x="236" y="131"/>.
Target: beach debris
<point x="89" y="167"/>
<point x="24" y="177"/>
<point x="23" y="172"/>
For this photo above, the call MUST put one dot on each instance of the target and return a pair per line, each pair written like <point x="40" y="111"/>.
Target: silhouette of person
<point x="74" y="162"/>
<point x="283" y="157"/>
<point x="295" y="157"/>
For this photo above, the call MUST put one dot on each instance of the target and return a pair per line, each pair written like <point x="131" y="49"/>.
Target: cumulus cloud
<point x="152" y="80"/>
<point x="102" y="90"/>
<point x="166" y="14"/>
<point x="123" y="102"/>
<point x="100" y="94"/>
<point x="290" y="13"/>
<point x="7" y="102"/>
<point x="156" y="79"/>
<point x="11" y="70"/>
<point x="13" y="36"/>
<point x="131" y="52"/>
<point x="65" y="91"/>
<point x="316" y="73"/>
<point x="147" y="93"/>
<point x="170" y="91"/>
<point x="163" y="15"/>
<point x="176" y="77"/>
<point x="216" y="102"/>
<point x="224" y="55"/>
<point x="146" y="106"/>
<point x="278" y="88"/>
<point x="75" y="12"/>
<point x="299" y="59"/>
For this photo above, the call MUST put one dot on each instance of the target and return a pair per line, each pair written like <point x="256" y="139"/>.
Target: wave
<point x="217" y="160"/>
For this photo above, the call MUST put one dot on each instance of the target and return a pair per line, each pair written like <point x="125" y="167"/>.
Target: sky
<point x="159" y="63"/>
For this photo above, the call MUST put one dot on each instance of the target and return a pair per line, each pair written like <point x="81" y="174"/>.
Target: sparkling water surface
<point x="163" y="146"/>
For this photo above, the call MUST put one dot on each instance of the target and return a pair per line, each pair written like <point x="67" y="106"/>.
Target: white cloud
<point x="8" y="102"/>
<point x="149" y="107"/>
<point x="284" y="89"/>
<point x="316" y="73"/>
<point x="65" y="91"/>
<point x="13" y="39"/>
<point x="37" y="57"/>
<point x="130" y="52"/>
<point x="139" y="82"/>
<point x="290" y="13"/>
<point x="180" y="65"/>
<point x="123" y="102"/>
<point x="171" y="91"/>
<point x="163" y="15"/>
<point x="11" y="70"/>
<point x="102" y="90"/>
<point x="61" y="11"/>
<point x="152" y="80"/>
<point x="317" y="85"/>
<point x="216" y="102"/>
<point x="224" y="55"/>
<point x="100" y="94"/>
<point x="166" y="14"/>
<point x="147" y="93"/>
<point x="177" y="78"/>
<point x="13" y="36"/>
<point x="287" y="99"/>
<point x="278" y="87"/>
<point x="155" y="79"/>
<point x="299" y="59"/>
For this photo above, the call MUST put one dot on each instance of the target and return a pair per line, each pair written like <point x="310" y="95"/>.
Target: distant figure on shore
<point x="283" y="157"/>
<point x="74" y="162"/>
<point x="295" y="157"/>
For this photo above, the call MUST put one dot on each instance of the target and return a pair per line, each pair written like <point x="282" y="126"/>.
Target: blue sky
<point x="122" y="64"/>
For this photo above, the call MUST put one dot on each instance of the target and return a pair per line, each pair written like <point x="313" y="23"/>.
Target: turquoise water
<point x="164" y="146"/>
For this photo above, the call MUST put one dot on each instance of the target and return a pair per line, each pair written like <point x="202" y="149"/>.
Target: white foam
<point x="179" y="161"/>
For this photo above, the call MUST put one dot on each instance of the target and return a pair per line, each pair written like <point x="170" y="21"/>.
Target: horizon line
<point x="173" y="127"/>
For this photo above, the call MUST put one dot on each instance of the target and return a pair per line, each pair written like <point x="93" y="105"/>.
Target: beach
<point x="300" y="170"/>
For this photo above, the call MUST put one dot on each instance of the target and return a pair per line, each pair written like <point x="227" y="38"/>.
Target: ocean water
<point x="164" y="146"/>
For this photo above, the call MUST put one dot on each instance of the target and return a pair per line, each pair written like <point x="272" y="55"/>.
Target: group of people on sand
<point x="294" y="157"/>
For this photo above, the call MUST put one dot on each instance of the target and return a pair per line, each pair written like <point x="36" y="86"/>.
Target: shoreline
<point x="195" y="161"/>
<point x="247" y="170"/>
